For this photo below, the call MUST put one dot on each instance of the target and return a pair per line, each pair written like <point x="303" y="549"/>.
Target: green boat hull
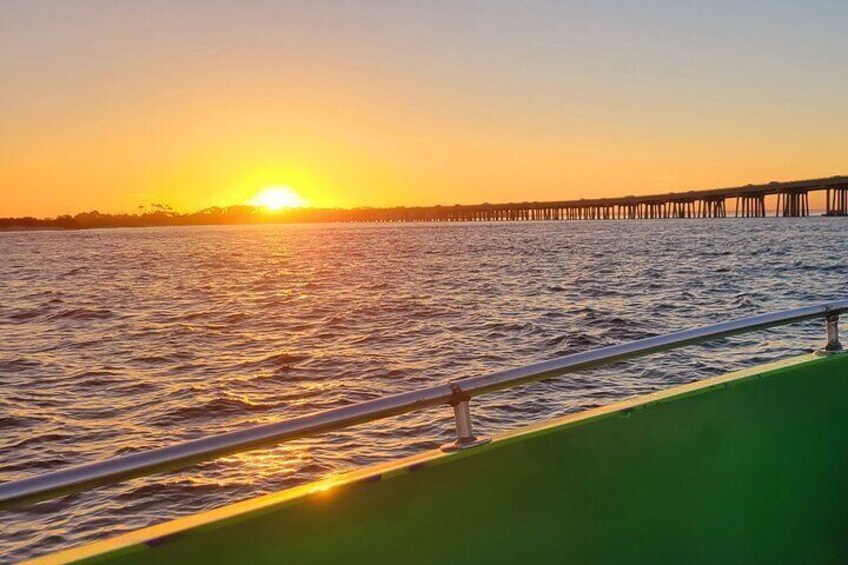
<point x="750" y="467"/>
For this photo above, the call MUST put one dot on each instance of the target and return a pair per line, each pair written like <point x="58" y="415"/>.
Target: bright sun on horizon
<point x="276" y="198"/>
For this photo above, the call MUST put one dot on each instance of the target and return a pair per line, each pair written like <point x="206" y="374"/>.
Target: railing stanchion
<point x="832" y="329"/>
<point x="465" y="437"/>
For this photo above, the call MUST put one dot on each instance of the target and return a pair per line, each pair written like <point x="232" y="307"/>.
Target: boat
<point x="746" y="467"/>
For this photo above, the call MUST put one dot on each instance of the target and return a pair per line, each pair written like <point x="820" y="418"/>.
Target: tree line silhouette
<point x="163" y="215"/>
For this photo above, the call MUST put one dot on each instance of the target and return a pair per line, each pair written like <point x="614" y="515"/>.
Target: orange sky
<point x="113" y="106"/>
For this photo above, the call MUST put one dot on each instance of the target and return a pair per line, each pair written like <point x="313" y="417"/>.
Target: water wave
<point x="172" y="334"/>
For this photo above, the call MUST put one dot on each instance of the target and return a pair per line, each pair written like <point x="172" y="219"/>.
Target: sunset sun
<point x="275" y="198"/>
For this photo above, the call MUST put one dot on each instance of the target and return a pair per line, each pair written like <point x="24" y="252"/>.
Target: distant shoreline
<point x="47" y="227"/>
<point x="25" y="228"/>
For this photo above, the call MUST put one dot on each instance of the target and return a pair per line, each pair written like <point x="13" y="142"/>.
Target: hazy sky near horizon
<point x="110" y="105"/>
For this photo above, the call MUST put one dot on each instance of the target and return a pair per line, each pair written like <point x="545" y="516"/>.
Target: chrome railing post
<point x="465" y="437"/>
<point x="832" y="330"/>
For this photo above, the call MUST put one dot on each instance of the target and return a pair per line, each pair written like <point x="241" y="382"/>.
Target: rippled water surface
<point x="114" y="341"/>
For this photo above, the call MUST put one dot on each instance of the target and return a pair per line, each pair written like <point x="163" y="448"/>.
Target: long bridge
<point x="792" y="200"/>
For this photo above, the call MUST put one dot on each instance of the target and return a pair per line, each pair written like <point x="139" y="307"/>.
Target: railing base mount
<point x="466" y="443"/>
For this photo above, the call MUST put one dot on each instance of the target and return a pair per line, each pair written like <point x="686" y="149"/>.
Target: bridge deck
<point x="792" y="201"/>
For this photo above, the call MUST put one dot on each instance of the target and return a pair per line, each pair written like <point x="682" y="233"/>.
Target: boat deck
<point x="746" y="467"/>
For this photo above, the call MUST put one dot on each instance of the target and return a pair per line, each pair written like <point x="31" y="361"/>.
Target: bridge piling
<point x="795" y="203"/>
<point x="837" y="201"/>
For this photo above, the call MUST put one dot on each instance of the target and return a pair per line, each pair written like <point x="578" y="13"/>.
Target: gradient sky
<point x="109" y="105"/>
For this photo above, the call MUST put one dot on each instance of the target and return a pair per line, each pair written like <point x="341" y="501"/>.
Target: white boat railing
<point x="456" y="393"/>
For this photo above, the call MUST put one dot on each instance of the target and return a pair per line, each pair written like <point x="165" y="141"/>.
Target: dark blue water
<point x="114" y="341"/>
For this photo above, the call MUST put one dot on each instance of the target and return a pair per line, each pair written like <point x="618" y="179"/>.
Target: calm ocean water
<point x="115" y="341"/>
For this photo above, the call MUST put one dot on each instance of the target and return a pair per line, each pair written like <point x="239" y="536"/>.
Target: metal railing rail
<point x="455" y="393"/>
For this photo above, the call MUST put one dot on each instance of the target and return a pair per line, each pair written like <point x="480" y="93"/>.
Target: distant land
<point x="789" y="199"/>
<point x="160" y="215"/>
